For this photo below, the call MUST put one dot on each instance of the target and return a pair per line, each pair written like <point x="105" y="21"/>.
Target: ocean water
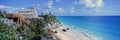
<point x="106" y="27"/>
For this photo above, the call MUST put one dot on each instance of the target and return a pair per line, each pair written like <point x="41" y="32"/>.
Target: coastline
<point x="72" y="34"/>
<point x="63" y="35"/>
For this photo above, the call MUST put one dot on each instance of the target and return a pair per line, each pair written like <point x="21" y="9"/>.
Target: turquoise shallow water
<point x="107" y="27"/>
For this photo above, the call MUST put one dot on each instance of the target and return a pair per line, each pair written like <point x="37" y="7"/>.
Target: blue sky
<point x="65" y="7"/>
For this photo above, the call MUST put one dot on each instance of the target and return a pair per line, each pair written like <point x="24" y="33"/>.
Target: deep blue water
<point x="107" y="27"/>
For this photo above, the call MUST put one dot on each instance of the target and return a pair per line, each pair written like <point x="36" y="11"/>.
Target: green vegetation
<point x="21" y="28"/>
<point x="2" y="14"/>
<point x="36" y="30"/>
<point x="49" y="18"/>
<point x="6" y="32"/>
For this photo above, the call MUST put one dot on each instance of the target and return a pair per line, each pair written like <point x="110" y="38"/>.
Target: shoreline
<point x="63" y="35"/>
<point x="71" y="34"/>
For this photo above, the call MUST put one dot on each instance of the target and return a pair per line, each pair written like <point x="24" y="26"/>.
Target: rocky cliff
<point x="37" y="30"/>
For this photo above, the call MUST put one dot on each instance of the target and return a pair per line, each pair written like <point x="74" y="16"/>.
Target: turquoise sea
<point x="107" y="27"/>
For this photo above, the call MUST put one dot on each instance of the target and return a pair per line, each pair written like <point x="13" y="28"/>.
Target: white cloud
<point x="22" y="8"/>
<point x="99" y="3"/>
<point x="75" y="2"/>
<point x="49" y="4"/>
<point x="93" y="3"/>
<point x="47" y="10"/>
<point x="57" y="0"/>
<point x="3" y="6"/>
<point x="53" y="9"/>
<point x="89" y="3"/>
<point x="60" y="9"/>
<point x="38" y="5"/>
<point x="72" y="10"/>
<point x="10" y="9"/>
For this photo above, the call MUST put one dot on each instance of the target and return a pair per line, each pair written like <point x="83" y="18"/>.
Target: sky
<point x="65" y="7"/>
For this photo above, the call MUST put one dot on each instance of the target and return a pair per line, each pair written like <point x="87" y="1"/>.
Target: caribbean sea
<point x="106" y="27"/>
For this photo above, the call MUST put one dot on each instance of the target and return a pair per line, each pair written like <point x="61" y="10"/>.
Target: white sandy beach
<point x="64" y="35"/>
<point x="73" y="35"/>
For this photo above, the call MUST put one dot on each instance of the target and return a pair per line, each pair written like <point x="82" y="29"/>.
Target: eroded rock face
<point x="17" y="34"/>
<point x="8" y="22"/>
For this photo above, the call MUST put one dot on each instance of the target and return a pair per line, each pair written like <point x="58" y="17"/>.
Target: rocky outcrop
<point x="9" y="22"/>
<point x="33" y="30"/>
